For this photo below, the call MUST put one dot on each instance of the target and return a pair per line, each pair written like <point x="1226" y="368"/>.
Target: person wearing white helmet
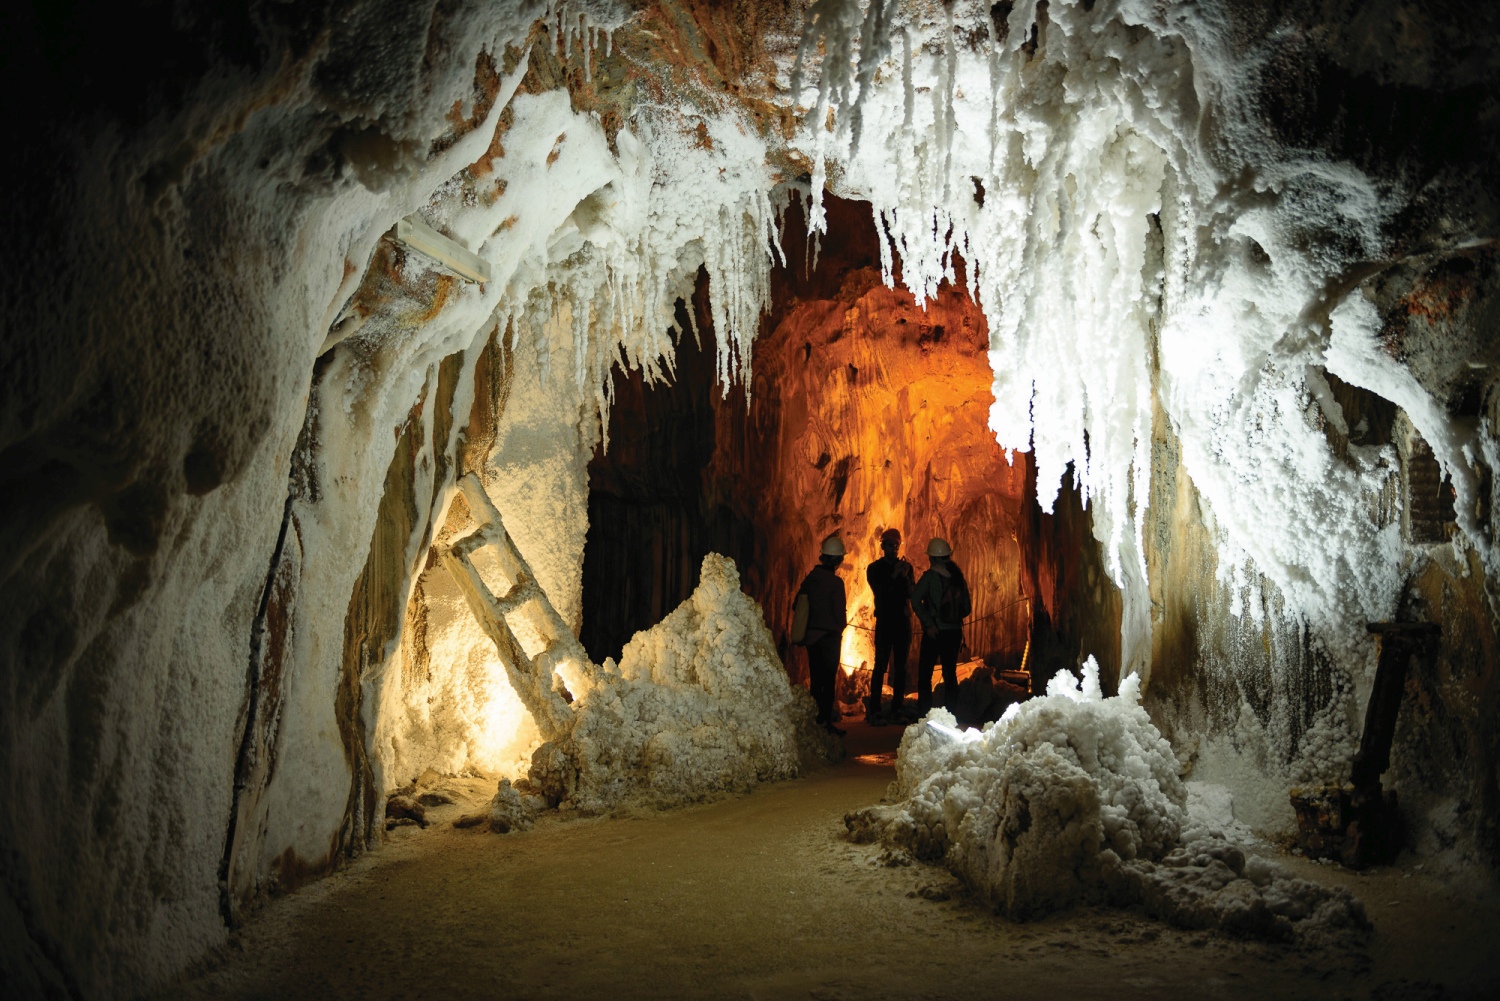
<point x="818" y="623"/>
<point x="941" y="601"/>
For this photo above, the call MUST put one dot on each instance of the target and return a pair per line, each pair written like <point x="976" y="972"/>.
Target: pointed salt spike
<point x="887" y="262"/>
<point x="1090" y="688"/>
<point x="950" y="119"/>
<point x="994" y="130"/>
<point x="906" y="79"/>
<point x="1130" y="689"/>
<point x="1063" y="683"/>
<point x="693" y="322"/>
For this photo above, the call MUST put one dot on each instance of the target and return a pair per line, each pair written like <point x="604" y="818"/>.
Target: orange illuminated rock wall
<point x="869" y="412"/>
<point x="866" y="412"/>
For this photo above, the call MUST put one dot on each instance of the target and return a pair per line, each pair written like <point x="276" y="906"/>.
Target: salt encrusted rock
<point x="512" y="811"/>
<point x="699" y="705"/>
<point x="1075" y="798"/>
<point x="400" y="807"/>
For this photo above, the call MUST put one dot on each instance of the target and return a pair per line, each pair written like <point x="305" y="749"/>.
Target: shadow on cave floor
<point x="760" y="896"/>
<point x="871" y="746"/>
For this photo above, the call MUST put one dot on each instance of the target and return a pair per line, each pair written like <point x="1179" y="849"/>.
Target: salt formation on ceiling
<point x="1135" y="228"/>
<point x="236" y="407"/>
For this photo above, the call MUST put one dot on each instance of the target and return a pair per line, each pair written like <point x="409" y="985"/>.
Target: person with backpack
<point x="941" y="601"/>
<point x="891" y="580"/>
<point x="818" y="620"/>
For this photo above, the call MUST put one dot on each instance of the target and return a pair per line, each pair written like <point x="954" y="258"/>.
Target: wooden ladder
<point x="535" y="679"/>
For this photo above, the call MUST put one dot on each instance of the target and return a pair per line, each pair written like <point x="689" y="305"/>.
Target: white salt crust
<point x="1074" y="798"/>
<point x="699" y="705"/>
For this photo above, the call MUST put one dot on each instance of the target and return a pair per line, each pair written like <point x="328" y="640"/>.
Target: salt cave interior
<point x="418" y="417"/>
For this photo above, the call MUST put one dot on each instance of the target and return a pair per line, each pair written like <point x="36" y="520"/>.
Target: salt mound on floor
<point x="1075" y="798"/>
<point x="699" y="705"/>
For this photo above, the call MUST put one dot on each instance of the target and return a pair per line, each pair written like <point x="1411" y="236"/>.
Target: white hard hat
<point x="937" y="547"/>
<point x="833" y="546"/>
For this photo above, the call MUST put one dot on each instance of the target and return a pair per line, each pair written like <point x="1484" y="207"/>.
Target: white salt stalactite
<point x="1080" y="145"/>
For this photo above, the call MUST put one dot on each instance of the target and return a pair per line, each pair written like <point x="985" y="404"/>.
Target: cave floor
<point x="759" y="896"/>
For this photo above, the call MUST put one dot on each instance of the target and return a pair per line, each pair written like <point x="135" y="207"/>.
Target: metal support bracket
<point x="416" y="234"/>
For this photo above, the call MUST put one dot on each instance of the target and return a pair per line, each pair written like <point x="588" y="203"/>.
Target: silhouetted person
<point x="891" y="579"/>
<point x="825" y="617"/>
<point x="941" y="601"/>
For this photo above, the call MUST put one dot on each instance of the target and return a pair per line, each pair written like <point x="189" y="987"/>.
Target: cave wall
<point x="655" y="510"/>
<point x="1237" y="680"/>
<point x="192" y="226"/>
<point x="448" y="704"/>
<point x="231" y="410"/>
<point x="412" y="683"/>
<point x="1256" y="700"/>
<point x="231" y="425"/>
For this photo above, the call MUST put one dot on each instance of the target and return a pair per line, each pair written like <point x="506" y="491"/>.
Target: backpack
<point x="955" y="604"/>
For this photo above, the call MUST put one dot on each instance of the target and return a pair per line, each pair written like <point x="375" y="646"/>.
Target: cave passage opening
<point x="866" y="412"/>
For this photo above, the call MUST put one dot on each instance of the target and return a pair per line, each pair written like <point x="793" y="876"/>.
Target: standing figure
<point x="891" y="579"/>
<point x="942" y="602"/>
<point x="818" y="623"/>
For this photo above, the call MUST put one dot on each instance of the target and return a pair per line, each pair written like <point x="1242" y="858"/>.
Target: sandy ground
<point x="761" y="897"/>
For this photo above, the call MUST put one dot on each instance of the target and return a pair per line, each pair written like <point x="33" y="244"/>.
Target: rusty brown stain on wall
<point x="492" y="379"/>
<point x="256" y="767"/>
<point x="289" y="872"/>
<point x="450" y="370"/>
<point x="482" y="100"/>
<point x="443" y="288"/>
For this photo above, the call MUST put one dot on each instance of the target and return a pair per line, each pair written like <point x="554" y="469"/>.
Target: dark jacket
<point x="891" y="579"/>
<point x="928" y="595"/>
<point x="825" y="603"/>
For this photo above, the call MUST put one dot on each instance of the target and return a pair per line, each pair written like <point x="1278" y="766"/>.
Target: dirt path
<point x="759" y="897"/>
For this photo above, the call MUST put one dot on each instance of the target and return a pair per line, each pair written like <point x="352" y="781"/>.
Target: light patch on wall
<point x="507" y="735"/>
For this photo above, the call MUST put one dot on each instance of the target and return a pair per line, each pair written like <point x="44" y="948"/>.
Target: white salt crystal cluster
<point x="1137" y="235"/>
<point x="1075" y="798"/>
<point x="698" y="706"/>
<point x="641" y="224"/>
